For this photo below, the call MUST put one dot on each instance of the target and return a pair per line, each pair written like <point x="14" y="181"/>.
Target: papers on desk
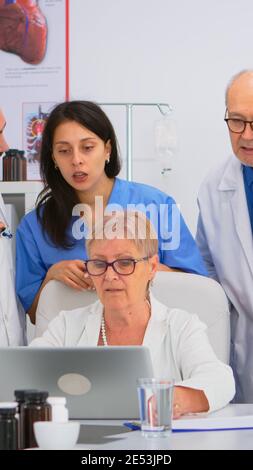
<point x="230" y="417"/>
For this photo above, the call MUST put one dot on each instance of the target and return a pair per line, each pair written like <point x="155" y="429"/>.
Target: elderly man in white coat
<point x="225" y="228"/>
<point x="12" y="316"/>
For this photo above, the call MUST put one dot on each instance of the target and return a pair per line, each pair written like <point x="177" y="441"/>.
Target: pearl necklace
<point x="103" y="332"/>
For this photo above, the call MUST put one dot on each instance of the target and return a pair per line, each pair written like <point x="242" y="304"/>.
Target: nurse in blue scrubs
<point x="80" y="164"/>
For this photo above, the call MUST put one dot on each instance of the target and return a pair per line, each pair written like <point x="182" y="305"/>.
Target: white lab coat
<point x="224" y="237"/>
<point x="12" y="315"/>
<point x="177" y="341"/>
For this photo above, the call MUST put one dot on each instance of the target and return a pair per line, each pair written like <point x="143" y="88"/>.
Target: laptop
<point x="98" y="382"/>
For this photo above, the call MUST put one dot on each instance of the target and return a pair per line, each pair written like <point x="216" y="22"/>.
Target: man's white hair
<point x="233" y="79"/>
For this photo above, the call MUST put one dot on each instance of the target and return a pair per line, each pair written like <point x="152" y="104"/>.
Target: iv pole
<point x="129" y="127"/>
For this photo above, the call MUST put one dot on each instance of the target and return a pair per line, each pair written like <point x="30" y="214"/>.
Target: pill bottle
<point x="35" y="408"/>
<point x="60" y="413"/>
<point x="8" y="426"/>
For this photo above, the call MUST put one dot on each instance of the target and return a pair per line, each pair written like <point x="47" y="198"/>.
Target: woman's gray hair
<point x="126" y="225"/>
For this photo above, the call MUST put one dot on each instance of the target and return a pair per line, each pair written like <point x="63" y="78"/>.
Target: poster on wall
<point x="34" y="70"/>
<point x="34" y="119"/>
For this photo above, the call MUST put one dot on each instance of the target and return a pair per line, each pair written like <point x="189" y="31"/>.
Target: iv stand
<point x="129" y="127"/>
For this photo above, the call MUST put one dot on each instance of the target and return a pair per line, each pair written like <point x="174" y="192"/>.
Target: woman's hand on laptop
<point x="72" y="273"/>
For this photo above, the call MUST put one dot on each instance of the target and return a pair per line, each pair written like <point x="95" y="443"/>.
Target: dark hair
<point x="56" y="200"/>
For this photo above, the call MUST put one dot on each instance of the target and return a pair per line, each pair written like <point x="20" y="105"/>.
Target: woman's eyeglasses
<point x="123" y="266"/>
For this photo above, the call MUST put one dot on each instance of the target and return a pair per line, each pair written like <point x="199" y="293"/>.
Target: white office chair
<point x="200" y="295"/>
<point x="56" y="296"/>
<point x="196" y="294"/>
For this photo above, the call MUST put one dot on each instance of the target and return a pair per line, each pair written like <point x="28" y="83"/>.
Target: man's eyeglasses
<point x="236" y="125"/>
<point x="125" y="267"/>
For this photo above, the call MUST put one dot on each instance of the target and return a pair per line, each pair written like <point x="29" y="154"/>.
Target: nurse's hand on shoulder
<point x="164" y="267"/>
<point x="72" y="273"/>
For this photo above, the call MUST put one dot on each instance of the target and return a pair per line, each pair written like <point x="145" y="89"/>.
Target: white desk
<point x="112" y="435"/>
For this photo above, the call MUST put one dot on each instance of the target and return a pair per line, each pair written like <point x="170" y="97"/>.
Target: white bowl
<point x="51" y="435"/>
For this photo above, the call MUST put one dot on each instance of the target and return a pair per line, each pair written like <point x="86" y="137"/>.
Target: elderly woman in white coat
<point x="122" y="263"/>
<point x="12" y="316"/>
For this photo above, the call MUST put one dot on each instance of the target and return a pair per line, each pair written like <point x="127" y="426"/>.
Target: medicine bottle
<point x="20" y="399"/>
<point x="35" y="408"/>
<point x="9" y="162"/>
<point x="60" y="413"/>
<point x="8" y="426"/>
<point x="23" y="169"/>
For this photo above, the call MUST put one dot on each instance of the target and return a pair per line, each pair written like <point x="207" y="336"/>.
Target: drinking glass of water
<point x="155" y="398"/>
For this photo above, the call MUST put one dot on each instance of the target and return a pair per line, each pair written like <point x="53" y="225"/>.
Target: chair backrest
<point x="196" y="294"/>
<point x="200" y="295"/>
<point x="55" y="297"/>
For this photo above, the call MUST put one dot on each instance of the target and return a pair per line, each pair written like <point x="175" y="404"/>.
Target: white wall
<point x="182" y="52"/>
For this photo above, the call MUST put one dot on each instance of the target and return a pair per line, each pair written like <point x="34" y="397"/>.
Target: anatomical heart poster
<point x="33" y="70"/>
<point x="34" y="119"/>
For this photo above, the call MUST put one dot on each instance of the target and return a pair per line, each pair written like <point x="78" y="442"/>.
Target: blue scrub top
<point x="36" y="253"/>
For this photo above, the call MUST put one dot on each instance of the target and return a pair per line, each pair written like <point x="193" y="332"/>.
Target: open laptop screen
<point x="98" y="382"/>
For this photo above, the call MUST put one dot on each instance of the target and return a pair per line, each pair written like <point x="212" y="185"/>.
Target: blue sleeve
<point x="30" y="269"/>
<point x="203" y="247"/>
<point x="177" y="248"/>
